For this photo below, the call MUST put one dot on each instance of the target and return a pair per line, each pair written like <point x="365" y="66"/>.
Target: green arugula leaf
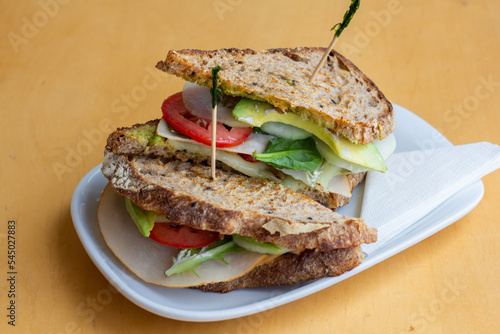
<point x="292" y="154"/>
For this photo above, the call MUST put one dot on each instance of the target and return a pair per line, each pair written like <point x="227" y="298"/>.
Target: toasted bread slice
<point x="341" y="98"/>
<point x="232" y="204"/>
<point x="293" y="268"/>
<point x="141" y="139"/>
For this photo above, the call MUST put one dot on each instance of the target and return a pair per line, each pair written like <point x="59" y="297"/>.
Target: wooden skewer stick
<point x="339" y="27"/>
<point x="214" y="92"/>
<point x="214" y="136"/>
<point x="322" y="61"/>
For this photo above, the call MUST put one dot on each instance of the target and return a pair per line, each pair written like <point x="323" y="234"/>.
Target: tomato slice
<point x="182" y="236"/>
<point x="199" y="129"/>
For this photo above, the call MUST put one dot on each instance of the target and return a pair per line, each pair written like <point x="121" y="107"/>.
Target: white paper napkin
<point x="417" y="182"/>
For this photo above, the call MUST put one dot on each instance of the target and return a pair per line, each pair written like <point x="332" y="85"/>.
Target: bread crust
<point x="233" y="204"/>
<point x="292" y="268"/>
<point x="341" y="98"/>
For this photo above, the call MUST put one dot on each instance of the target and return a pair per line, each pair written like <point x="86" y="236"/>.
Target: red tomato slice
<point x="179" y="118"/>
<point x="181" y="236"/>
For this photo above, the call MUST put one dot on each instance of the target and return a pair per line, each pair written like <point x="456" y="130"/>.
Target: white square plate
<point x="194" y="305"/>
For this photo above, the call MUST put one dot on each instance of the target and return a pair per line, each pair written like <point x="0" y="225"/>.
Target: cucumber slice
<point x="258" y="113"/>
<point x="286" y="131"/>
<point x="258" y="247"/>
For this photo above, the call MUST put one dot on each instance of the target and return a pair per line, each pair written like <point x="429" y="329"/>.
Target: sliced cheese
<point x="149" y="260"/>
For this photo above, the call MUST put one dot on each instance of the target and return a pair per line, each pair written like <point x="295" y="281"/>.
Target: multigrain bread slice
<point x="341" y="98"/>
<point x="141" y="139"/>
<point x="293" y="268"/>
<point x="232" y="204"/>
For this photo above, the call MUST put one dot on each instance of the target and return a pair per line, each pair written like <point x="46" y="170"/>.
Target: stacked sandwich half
<point x="288" y="153"/>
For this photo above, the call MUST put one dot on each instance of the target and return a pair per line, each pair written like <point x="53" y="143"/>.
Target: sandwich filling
<point x="197" y="246"/>
<point x="188" y="267"/>
<point x="191" y="257"/>
<point x="259" y="140"/>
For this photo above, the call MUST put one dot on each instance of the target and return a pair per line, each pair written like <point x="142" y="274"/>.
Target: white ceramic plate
<point x="194" y="305"/>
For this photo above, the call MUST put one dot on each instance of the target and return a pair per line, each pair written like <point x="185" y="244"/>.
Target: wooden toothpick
<point x="214" y="136"/>
<point x="213" y="91"/>
<point x="322" y="61"/>
<point x="339" y="27"/>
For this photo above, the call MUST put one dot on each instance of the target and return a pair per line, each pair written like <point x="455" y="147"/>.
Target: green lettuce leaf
<point x="291" y="154"/>
<point x="189" y="259"/>
<point x="144" y="219"/>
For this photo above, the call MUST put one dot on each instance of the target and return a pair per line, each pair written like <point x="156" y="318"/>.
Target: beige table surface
<point x="70" y="71"/>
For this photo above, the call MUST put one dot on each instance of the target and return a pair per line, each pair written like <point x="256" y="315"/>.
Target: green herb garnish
<point x="347" y="18"/>
<point x="214" y="91"/>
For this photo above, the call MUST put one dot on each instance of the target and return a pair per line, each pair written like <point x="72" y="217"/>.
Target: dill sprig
<point x="347" y="18"/>
<point x="214" y="91"/>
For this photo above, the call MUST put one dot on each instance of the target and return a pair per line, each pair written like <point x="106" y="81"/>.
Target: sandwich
<point x="289" y="152"/>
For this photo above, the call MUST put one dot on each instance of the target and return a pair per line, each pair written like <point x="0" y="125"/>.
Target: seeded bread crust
<point x="140" y="139"/>
<point x="292" y="268"/>
<point x="341" y="97"/>
<point x="233" y="204"/>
